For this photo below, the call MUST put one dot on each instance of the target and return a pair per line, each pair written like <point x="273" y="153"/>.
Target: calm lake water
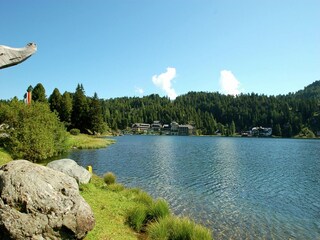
<point x="242" y="188"/>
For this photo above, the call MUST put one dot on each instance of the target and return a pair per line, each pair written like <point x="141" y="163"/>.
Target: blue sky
<point x="170" y="47"/>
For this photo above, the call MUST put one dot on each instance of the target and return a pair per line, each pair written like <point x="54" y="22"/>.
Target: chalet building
<point x="156" y="126"/>
<point x="174" y="128"/>
<point x="167" y="129"/>
<point x="140" y="127"/>
<point x="185" y="130"/>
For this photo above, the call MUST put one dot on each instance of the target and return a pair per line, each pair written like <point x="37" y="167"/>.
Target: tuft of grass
<point x="4" y="157"/>
<point x="143" y="198"/>
<point x="116" y="187"/>
<point x="174" y="228"/>
<point x="137" y="218"/>
<point x="83" y="141"/>
<point x="159" y="209"/>
<point x="109" y="178"/>
<point x="146" y="212"/>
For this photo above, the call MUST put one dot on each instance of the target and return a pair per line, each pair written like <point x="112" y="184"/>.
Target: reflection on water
<point x="242" y="188"/>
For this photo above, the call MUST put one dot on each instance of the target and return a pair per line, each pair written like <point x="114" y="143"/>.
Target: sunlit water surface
<point x="242" y="188"/>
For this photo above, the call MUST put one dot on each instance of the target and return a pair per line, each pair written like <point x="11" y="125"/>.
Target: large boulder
<point x="37" y="202"/>
<point x="71" y="168"/>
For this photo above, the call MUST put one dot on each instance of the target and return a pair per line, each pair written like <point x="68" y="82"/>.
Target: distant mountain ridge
<point x="310" y="91"/>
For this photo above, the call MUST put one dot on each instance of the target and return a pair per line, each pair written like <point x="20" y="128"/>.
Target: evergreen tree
<point x="39" y="93"/>
<point x="66" y="108"/>
<point x="55" y="101"/>
<point x="95" y="117"/>
<point x="79" y="116"/>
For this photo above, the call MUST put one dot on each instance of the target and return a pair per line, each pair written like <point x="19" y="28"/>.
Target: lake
<point x="241" y="188"/>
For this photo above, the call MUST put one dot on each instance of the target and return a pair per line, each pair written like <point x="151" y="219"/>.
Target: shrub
<point x="35" y="132"/>
<point x="174" y="228"/>
<point x="74" y="131"/>
<point x="109" y="178"/>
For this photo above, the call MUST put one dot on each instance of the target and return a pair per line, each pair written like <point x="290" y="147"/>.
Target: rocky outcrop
<point x="37" y="202"/>
<point x="71" y="168"/>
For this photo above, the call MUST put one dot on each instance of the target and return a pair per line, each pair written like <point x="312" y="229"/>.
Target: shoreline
<point x="113" y="203"/>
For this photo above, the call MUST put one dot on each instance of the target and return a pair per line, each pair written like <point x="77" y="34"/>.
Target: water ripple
<point x="241" y="188"/>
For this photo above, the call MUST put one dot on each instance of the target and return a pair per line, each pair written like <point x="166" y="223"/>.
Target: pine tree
<point x="66" y="108"/>
<point x="95" y="117"/>
<point x="55" y="101"/>
<point x="79" y="116"/>
<point x="39" y="93"/>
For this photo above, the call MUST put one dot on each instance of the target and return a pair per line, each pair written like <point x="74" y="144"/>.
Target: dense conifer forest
<point x="210" y="112"/>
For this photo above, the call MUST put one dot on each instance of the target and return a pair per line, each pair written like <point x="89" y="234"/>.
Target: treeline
<point x="210" y="112"/>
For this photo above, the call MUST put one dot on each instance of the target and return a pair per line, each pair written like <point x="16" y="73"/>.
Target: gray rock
<point x="71" y="168"/>
<point x="37" y="202"/>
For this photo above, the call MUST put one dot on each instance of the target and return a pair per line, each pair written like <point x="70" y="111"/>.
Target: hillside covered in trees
<point x="210" y="112"/>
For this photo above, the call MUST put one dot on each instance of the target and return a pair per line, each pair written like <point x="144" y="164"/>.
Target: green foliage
<point x="35" y="132"/>
<point x="176" y="229"/>
<point x="79" y="115"/>
<point x="137" y="217"/>
<point x="109" y="178"/>
<point x="74" y="131"/>
<point x="144" y="198"/>
<point x="96" y="123"/>
<point x="39" y="94"/>
<point x="213" y="112"/>
<point x="4" y="157"/>
<point x="306" y="133"/>
<point x="159" y="209"/>
<point x="147" y="211"/>
<point x="116" y="187"/>
<point x="66" y="108"/>
<point x="55" y="100"/>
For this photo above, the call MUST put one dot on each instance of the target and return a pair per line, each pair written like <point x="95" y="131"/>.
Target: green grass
<point x="109" y="178"/>
<point x="4" y="157"/>
<point x="174" y="228"/>
<point x="109" y="208"/>
<point x="83" y="141"/>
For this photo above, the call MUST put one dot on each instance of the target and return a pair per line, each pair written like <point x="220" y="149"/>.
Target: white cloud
<point x="229" y="83"/>
<point x="163" y="81"/>
<point x="139" y="90"/>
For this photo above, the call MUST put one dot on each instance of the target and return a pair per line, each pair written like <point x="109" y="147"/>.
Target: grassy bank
<point x="83" y="141"/>
<point x="109" y="207"/>
<point x="4" y="157"/>
<point x="124" y="214"/>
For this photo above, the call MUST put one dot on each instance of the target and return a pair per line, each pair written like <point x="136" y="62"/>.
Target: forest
<point x="210" y="113"/>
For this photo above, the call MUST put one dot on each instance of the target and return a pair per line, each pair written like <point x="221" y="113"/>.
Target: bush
<point x="74" y="131"/>
<point x="35" y="133"/>
<point x="174" y="228"/>
<point x="109" y="178"/>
